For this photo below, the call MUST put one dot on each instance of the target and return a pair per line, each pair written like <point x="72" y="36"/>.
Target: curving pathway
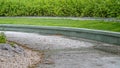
<point x="67" y="52"/>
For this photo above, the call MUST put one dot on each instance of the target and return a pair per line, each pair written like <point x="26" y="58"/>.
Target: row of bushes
<point x="77" y="8"/>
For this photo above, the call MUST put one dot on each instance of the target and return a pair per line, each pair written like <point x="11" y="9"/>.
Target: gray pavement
<point x="72" y="18"/>
<point x="69" y="52"/>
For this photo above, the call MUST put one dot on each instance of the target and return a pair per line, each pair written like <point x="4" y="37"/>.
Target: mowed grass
<point x="90" y="24"/>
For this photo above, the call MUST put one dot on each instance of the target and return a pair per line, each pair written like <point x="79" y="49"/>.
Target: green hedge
<point x="77" y="8"/>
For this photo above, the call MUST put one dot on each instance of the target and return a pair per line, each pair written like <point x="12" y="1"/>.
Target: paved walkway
<point x="67" y="52"/>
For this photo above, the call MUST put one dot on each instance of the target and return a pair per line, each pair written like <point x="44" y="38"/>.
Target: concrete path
<point x="67" y="52"/>
<point x="72" y="18"/>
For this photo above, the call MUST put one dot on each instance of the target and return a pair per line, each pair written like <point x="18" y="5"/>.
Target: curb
<point x="98" y="35"/>
<point x="72" y="18"/>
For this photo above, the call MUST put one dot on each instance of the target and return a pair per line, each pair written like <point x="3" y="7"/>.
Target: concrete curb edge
<point x="98" y="35"/>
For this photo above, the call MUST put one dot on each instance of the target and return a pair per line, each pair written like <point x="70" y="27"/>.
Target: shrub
<point x="2" y="38"/>
<point x="77" y="8"/>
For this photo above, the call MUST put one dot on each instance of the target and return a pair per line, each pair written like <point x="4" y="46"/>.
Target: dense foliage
<point x="78" y="8"/>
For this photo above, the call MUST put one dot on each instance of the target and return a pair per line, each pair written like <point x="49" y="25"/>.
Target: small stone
<point x="11" y="49"/>
<point x="2" y="60"/>
<point x="48" y="61"/>
<point x="8" y="47"/>
<point x="18" y="49"/>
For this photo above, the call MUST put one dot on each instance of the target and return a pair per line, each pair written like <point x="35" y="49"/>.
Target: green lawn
<point x="90" y="24"/>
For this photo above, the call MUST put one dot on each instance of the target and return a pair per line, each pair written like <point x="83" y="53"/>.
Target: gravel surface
<point x="18" y="57"/>
<point x="18" y="61"/>
<point x="69" y="52"/>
